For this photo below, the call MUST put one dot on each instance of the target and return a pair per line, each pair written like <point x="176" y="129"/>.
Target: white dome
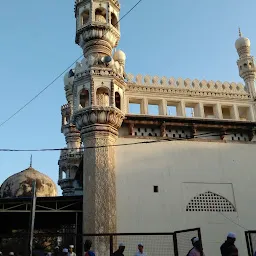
<point x="20" y="184"/>
<point x="119" y="56"/>
<point x="241" y="42"/>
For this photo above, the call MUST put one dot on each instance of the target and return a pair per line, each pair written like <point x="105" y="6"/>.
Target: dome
<point x="20" y="185"/>
<point x="119" y="56"/>
<point x="100" y="18"/>
<point x="242" y="41"/>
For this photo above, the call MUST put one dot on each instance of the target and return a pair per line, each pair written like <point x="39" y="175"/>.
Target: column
<point x="234" y="112"/>
<point x="99" y="183"/>
<point x="163" y="110"/>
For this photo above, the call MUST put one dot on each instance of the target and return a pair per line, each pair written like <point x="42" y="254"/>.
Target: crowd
<point x="228" y="248"/>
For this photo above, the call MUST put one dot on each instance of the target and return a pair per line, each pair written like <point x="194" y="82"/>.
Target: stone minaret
<point x="98" y="104"/>
<point x="71" y="156"/>
<point x="246" y="64"/>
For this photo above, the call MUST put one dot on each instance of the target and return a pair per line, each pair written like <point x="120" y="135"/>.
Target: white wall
<point x="182" y="170"/>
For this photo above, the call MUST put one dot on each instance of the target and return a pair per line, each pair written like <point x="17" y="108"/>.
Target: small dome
<point x="241" y="42"/>
<point x="119" y="56"/>
<point x="20" y="184"/>
<point x="100" y="18"/>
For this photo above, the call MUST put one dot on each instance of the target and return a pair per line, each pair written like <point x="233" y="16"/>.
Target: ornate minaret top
<point x="97" y="27"/>
<point x="246" y="63"/>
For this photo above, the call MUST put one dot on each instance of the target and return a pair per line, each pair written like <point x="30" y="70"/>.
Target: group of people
<point x="228" y="248"/>
<point x="65" y="251"/>
<point x="118" y="252"/>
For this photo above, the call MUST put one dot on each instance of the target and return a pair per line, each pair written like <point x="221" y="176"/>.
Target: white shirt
<point x="140" y="254"/>
<point x="71" y="254"/>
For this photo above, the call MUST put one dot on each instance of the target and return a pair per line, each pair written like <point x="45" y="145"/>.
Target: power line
<point x="233" y="221"/>
<point x="62" y="73"/>
<point x="115" y="145"/>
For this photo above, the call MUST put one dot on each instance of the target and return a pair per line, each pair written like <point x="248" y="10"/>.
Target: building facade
<point x="160" y="154"/>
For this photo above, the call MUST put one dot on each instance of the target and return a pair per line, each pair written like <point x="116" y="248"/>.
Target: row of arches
<point x="102" y="98"/>
<point x="100" y="16"/>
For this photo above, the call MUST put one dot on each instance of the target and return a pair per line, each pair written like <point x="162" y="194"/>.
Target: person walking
<point x="71" y="251"/>
<point x="197" y="250"/>
<point x="228" y="248"/>
<point x="65" y="252"/>
<point x="120" y="250"/>
<point x="140" y="250"/>
<point x="87" y="248"/>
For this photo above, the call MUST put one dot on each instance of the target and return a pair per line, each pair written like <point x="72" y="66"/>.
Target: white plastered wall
<point x="182" y="170"/>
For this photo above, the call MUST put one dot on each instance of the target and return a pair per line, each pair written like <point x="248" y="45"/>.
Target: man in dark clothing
<point x="120" y="250"/>
<point x="87" y="248"/>
<point x="229" y="248"/>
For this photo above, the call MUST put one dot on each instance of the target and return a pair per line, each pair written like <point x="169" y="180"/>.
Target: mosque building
<point x="190" y="163"/>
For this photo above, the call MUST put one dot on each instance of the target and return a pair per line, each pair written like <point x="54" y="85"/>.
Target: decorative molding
<point x="99" y="72"/>
<point x="186" y="87"/>
<point x="98" y="115"/>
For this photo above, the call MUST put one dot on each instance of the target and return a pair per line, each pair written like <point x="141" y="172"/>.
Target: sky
<point x="188" y="39"/>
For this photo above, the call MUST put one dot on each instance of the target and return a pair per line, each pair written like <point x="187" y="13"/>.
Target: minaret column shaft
<point x="99" y="182"/>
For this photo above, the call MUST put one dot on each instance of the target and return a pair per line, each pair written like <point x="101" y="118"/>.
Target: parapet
<point x="186" y="86"/>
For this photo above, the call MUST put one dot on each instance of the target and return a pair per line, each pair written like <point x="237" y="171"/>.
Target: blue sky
<point x="188" y="39"/>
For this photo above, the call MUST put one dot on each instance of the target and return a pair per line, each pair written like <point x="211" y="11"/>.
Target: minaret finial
<point x="30" y="161"/>
<point x="239" y="32"/>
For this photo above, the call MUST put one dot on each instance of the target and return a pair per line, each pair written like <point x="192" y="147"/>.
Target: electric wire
<point x="202" y="135"/>
<point x="233" y="221"/>
<point x="63" y="72"/>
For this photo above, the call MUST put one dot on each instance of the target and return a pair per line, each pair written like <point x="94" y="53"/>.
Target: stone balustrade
<point x="189" y="85"/>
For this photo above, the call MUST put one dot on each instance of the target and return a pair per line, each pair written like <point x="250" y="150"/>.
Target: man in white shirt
<point x="71" y="252"/>
<point x="140" y="250"/>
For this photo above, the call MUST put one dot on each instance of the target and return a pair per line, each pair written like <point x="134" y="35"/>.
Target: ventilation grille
<point x="210" y="202"/>
<point x="178" y="133"/>
<point x="148" y="132"/>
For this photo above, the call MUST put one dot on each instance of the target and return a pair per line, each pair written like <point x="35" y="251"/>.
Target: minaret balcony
<point x="98" y="115"/>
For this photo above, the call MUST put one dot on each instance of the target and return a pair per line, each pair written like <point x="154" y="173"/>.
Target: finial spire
<point x="30" y="161"/>
<point x="239" y="32"/>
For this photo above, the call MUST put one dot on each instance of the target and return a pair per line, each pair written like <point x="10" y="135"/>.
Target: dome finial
<point x="30" y="161"/>
<point x="239" y="32"/>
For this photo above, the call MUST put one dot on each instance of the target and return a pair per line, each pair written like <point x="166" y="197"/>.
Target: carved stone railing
<point x="189" y="85"/>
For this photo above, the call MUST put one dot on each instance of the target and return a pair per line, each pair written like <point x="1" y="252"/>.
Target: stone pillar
<point x="99" y="130"/>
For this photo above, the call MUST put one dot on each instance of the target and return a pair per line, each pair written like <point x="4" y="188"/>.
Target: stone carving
<point x="187" y="86"/>
<point x="98" y="115"/>
<point x="99" y="184"/>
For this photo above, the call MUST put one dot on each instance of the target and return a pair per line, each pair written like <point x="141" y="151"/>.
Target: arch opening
<point x="102" y="96"/>
<point x="84" y="98"/>
<point x="114" y="21"/>
<point x="64" y="175"/>
<point x="85" y="17"/>
<point x="101" y="15"/>
<point x="117" y="100"/>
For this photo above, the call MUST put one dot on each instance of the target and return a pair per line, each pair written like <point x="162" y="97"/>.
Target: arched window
<point x="117" y="100"/>
<point x="64" y="175"/>
<point x="101" y="15"/>
<point x="102" y="96"/>
<point x="85" y="17"/>
<point x="114" y="20"/>
<point x="210" y="202"/>
<point x="84" y="98"/>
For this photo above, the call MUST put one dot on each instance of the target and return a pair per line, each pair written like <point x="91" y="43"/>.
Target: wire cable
<point x="233" y="221"/>
<point x="203" y="135"/>
<point x="63" y="72"/>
